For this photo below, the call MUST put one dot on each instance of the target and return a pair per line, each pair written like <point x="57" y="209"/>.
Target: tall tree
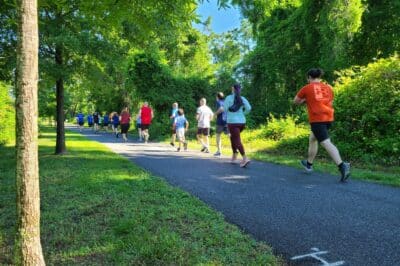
<point x="28" y="249"/>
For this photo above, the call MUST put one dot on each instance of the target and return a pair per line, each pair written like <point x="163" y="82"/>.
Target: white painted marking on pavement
<point x="315" y="255"/>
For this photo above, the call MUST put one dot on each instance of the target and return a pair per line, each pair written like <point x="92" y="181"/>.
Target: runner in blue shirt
<point x="115" y="123"/>
<point x="174" y="113"/>
<point x="180" y="126"/>
<point x="90" y="120"/>
<point x="106" y="121"/>
<point x="221" y="121"/>
<point x="80" y="119"/>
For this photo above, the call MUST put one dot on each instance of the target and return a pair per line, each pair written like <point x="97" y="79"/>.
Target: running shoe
<point x="344" y="171"/>
<point x="203" y="149"/>
<point x="172" y="144"/>
<point x="306" y="166"/>
<point x="206" y="150"/>
<point x="244" y="163"/>
<point x="185" y="146"/>
<point x="217" y="153"/>
<point x="178" y="149"/>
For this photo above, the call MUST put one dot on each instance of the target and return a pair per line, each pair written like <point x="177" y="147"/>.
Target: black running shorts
<point x="124" y="128"/>
<point x="320" y="130"/>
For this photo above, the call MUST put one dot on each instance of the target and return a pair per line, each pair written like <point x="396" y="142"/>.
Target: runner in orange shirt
<point x="318" y="97"/>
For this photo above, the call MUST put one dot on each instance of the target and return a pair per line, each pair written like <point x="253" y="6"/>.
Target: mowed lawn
<point x="100" y="209"/>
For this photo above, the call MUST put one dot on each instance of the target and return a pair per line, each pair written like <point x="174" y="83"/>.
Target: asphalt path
<point x="308" y="219"/>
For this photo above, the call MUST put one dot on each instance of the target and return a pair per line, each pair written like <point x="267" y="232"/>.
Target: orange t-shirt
<point x="319" y="98"/>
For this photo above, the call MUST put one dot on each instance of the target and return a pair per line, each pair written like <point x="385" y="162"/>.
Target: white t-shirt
<point x="205" y="115"/>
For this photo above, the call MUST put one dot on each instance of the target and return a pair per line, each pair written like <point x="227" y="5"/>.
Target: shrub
<point x="368" y="111"/>
<point x="7" y="115"/>
<point x="283" y="128"/>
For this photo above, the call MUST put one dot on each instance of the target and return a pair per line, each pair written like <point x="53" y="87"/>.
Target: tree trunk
<point x="60" y="142"/>
<point x="28" y="249"/>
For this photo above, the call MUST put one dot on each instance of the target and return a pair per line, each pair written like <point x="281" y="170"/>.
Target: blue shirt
<point x="139" y="120"/>
<point x="115" y="119"/>
<point x="90" y="119"/>
<point x="180" y="121"/>
<point x="80" y="117"/>
<point x="239" y="116"/>
<point x="221" y="118"/>
<point x="105" y="119"/>
<point x="174" y="114"/>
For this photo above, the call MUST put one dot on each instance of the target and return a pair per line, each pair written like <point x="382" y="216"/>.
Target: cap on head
<point x="220" y="95"/>
<point x="175" y="105"/>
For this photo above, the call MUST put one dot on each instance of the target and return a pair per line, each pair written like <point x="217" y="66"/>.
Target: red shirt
<point x="125" y="118"/>
<point x="319" y="99"/>
<point x="145" y="115"/>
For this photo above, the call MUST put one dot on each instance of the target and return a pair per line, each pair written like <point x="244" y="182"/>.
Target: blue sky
<point x="222" y="19"/>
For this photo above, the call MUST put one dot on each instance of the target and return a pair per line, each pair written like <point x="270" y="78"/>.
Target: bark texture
<point x="28" y="249"/>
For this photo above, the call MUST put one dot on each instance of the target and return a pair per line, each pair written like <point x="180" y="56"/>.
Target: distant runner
<point x="115" y="123"/>
<point x="96" y="120"/>
<point x="174" y="114"/>
<point x="106" y="121"/>
<point x="237" y="107"/>
<point x="80" y="119"/>
<point x="181" y="125"/>
<point x="146" y="115"/>
<point x="139" y="126"/>
<point x="125" y="123"/>
<point x="203" y="116"/>
<point x="221" y="121"/>
<point x="318" y="97"/>
<point x="90" y="120"/>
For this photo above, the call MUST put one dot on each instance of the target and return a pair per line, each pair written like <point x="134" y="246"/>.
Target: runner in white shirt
<point x="204" y="116"/>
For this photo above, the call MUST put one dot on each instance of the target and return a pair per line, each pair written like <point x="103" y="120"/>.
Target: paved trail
<point x="357" y="223"/>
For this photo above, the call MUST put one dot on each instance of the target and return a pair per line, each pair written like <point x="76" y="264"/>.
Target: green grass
<point x="100" y="209"/>
<point x="290" y="151"/>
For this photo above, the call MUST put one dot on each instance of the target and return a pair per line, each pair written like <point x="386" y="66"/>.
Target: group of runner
<point x="96" y="120"/>
<point x="119" y="123"/>
<point x="231" y="119"/>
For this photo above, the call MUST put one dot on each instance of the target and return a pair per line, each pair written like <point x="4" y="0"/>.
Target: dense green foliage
<point x="154" y="82"/>
<point x="368" y="112"/>
<point x="118" y="214"/>
<point x="117" y="55"/>
<point x="7" y="115"/>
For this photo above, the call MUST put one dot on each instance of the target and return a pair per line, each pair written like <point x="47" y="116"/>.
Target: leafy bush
<point x="368" y="112"/>
<point x="154" y="82"/>
<point x="7" y="115"/>
<point x="283" y="128"/>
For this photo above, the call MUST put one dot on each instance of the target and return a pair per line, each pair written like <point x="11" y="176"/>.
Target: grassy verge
<point x="100" y="209"/>
<point x="287" y="153"/>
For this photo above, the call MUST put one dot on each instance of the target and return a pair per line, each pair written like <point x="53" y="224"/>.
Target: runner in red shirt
<point x="146" y="114"/>
<point x="318" y="97"/>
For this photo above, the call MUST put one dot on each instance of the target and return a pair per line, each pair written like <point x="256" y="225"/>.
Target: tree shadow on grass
<point x="99" y="209"/>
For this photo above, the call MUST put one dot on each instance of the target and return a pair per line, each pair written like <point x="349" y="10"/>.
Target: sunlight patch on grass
<point x="100" y="209"/>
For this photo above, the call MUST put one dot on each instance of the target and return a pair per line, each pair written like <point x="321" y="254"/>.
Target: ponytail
<point x="238" y="102"/>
